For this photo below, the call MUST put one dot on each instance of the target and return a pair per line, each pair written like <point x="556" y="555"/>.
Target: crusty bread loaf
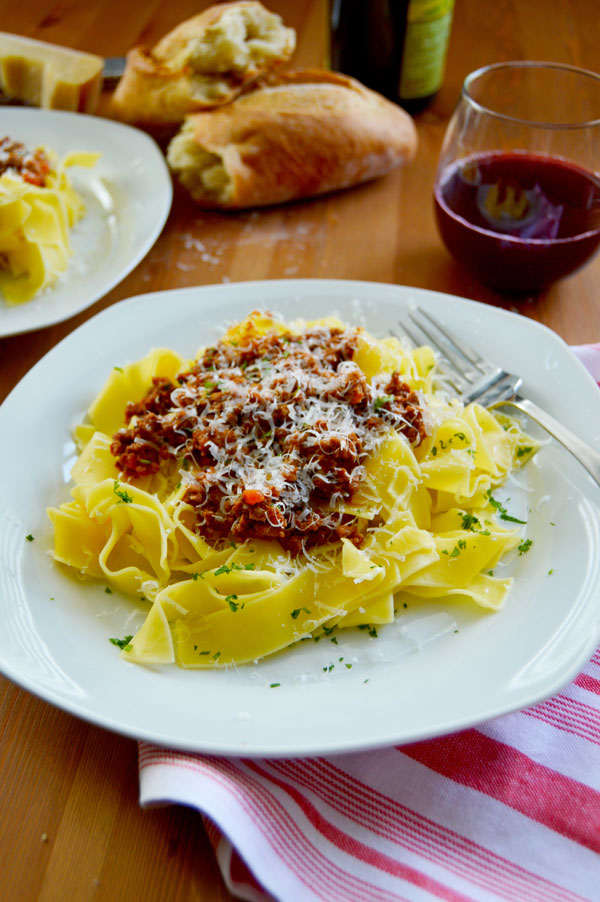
<point x="303" y="134"/>
<point x="204" y="62"/>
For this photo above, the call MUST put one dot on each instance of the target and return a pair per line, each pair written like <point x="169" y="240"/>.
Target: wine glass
<point x="517" y="190"/>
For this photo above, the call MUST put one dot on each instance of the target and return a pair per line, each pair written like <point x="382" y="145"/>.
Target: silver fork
<point x="477" y="379"/>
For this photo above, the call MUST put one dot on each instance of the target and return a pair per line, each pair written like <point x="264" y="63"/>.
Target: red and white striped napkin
<point x="507" y="811"/>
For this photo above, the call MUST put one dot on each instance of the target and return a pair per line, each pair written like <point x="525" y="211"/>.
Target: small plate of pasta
<point x="76" y="213"/>
<point x="262" y="523"/>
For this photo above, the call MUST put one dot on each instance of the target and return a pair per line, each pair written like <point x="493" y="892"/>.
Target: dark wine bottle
<point x="396" y="47"/>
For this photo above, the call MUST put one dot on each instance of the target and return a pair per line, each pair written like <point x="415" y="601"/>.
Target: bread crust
<point x="302" y="134"/>
<point x="163" y="84"/>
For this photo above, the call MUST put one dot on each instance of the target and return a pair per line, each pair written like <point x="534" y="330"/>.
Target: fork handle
<point x="587" y="456"/>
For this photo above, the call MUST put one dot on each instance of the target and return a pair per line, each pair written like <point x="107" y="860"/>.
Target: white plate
<point x="54" y="631"/>
<point x="127" y="196"/>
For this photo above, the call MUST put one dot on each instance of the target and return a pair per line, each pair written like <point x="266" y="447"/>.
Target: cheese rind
<point x="49" y="76"/>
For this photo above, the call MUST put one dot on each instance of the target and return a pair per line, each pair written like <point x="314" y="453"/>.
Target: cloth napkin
<point x="507" y="811"/>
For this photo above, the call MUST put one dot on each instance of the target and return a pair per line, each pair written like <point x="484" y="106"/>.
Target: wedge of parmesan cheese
<point x="49" y="76"/>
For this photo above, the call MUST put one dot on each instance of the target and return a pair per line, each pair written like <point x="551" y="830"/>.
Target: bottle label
<point x="425" y="44"/>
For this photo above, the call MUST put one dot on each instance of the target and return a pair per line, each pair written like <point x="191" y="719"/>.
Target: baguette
<point x="205" y="62"/>
<point x="305" y="133"/>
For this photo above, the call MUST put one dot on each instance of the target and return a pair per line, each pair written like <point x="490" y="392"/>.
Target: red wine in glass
<point x="518" y="220"/>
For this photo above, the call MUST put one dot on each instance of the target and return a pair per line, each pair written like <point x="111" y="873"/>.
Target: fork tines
<point x="465" y="369"/>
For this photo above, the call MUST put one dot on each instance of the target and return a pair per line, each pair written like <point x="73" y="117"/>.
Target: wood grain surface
<point x="70" y="825"/>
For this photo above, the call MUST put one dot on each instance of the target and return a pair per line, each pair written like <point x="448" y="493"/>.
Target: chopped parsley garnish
<point x="222" y="569"/>
<point x="524" y="546"/>
<point x="469" y="521"/>
<point x="121" y="493"/>
<point x="229" y="568"/>
<point x="295" y="613"/>
<point x="29" y="538"/>
<point x="523" y="450"/>
<point x="503" y="513"/>
<point x="108" y="590"/>
<point x="274" y="685"/>
<point x="232" y="602"/>
<point x="123" y="644"/>
<point x="381" y="401"/>
<point x="460" y="546"/>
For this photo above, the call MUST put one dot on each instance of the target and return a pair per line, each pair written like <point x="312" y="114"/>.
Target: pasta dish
<point x="291" y="480"/>
<point x="38" y="207"/>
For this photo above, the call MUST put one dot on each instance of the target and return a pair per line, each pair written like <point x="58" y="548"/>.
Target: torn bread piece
<point x="205" y="62"/>
<point x="305" y="133"/>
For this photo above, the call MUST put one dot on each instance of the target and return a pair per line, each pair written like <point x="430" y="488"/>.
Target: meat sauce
<point x="32" y="166"/>
<point x="271" y="435"/>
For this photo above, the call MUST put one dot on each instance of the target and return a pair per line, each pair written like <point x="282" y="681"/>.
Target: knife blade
<point x="114" y="66"/>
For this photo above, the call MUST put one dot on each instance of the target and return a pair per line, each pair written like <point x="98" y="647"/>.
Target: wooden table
<point x="71" y="827"/>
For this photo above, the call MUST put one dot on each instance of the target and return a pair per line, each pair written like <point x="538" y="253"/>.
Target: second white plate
<point x="127" y="195"/>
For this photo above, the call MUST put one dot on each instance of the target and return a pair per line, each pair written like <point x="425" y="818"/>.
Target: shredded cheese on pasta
<point x="415" y="518"/>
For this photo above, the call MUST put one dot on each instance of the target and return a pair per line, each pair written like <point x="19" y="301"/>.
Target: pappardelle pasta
<point x="292" y="479"/>
<point x="38" y="208"/>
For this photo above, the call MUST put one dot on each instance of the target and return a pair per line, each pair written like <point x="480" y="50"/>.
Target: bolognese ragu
<point x="289" y="480"/>
<point x="272" y="432"/>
